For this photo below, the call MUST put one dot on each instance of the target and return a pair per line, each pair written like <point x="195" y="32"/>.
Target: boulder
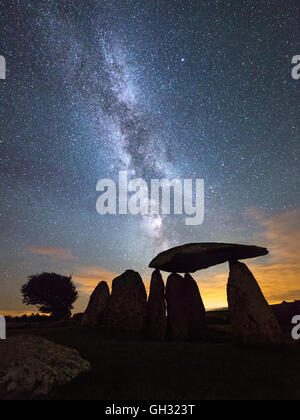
<point x="97" y="305"/>
<point x="252" y="319"/>
<point x="195" y="308"/>
<point x="127" y="304"/>
<point x="157" y="308"/>
<point x="197" y="256"/>
<point x="178" y="316"/>
<point x="32" y="366"/>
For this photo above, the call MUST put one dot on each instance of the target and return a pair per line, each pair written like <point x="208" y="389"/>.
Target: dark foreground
<point x="137" y="369"/>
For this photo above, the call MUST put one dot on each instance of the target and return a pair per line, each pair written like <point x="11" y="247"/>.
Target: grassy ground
<point x="136" y="369"/>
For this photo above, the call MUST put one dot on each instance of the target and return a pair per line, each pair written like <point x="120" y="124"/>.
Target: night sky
<point x="174" y="89"/>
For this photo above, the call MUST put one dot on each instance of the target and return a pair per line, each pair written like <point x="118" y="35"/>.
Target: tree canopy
<point x="51" y="293"/>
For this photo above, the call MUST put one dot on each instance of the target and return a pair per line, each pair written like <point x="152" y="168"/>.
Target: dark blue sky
<point x="163" y="89"/>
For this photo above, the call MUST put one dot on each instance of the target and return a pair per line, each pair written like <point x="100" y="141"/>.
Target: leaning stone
<point x="178" y="317"/>
<point x="97" y="305"/>
<point x="195" y="308"/>
<point x="32" y="366"/>
<point x="193" y="257"/>
<point x="127" y="304"/>
<point x="252" y="319"/>
<point x="157" y="308"/>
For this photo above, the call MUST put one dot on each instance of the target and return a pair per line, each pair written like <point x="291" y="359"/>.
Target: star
<point x="101" y="87"/>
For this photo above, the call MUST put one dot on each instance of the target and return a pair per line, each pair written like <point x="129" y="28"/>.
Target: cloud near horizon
<point x="280" y="277"/>
<point x="54" y="253"/>
<point x="278" y="274"/>
<point x="87" y="278"/>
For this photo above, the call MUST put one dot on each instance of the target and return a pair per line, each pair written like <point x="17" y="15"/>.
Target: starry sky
<point x="174" y="89"/>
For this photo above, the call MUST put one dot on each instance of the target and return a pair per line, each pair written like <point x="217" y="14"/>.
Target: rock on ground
<point x="195" y="308"/>
<point x="252" y="319"/>
<point x="32" y="366"/>
<point x="157" y="308"/>
<point x="127" y="304"/>
<point x="97" y="305"/>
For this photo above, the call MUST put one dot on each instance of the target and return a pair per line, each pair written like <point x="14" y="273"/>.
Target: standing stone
<point x="97" y="305"/>
<point x="127" y="304"/>
<point x="195" y="308"/>
<point x="157" y="308"/>
<point x="252" y="319"/>
<point x="178" y="317"/>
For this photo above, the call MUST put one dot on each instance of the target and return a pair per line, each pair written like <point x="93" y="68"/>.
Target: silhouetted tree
<point x="51" y="293"/>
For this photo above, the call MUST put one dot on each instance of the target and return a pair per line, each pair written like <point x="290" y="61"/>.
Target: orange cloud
<point x="278" y="274"/>
<point x="6" y="313"/>
<point x="212" y="285"/>
<point x="58" y="254"/>
<point x="88" y="277"/>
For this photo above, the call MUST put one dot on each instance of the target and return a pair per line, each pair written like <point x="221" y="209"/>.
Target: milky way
<point x="175" y="89"/>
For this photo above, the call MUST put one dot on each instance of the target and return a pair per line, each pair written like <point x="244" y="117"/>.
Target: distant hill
<point x="285" y="312"/>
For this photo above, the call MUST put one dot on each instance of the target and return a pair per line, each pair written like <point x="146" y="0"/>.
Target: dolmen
<point x="177" y="311"/>
<point x="252" y="319"/>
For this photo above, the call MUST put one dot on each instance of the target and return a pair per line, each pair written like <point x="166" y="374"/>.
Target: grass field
<point x="137" y="369"/>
